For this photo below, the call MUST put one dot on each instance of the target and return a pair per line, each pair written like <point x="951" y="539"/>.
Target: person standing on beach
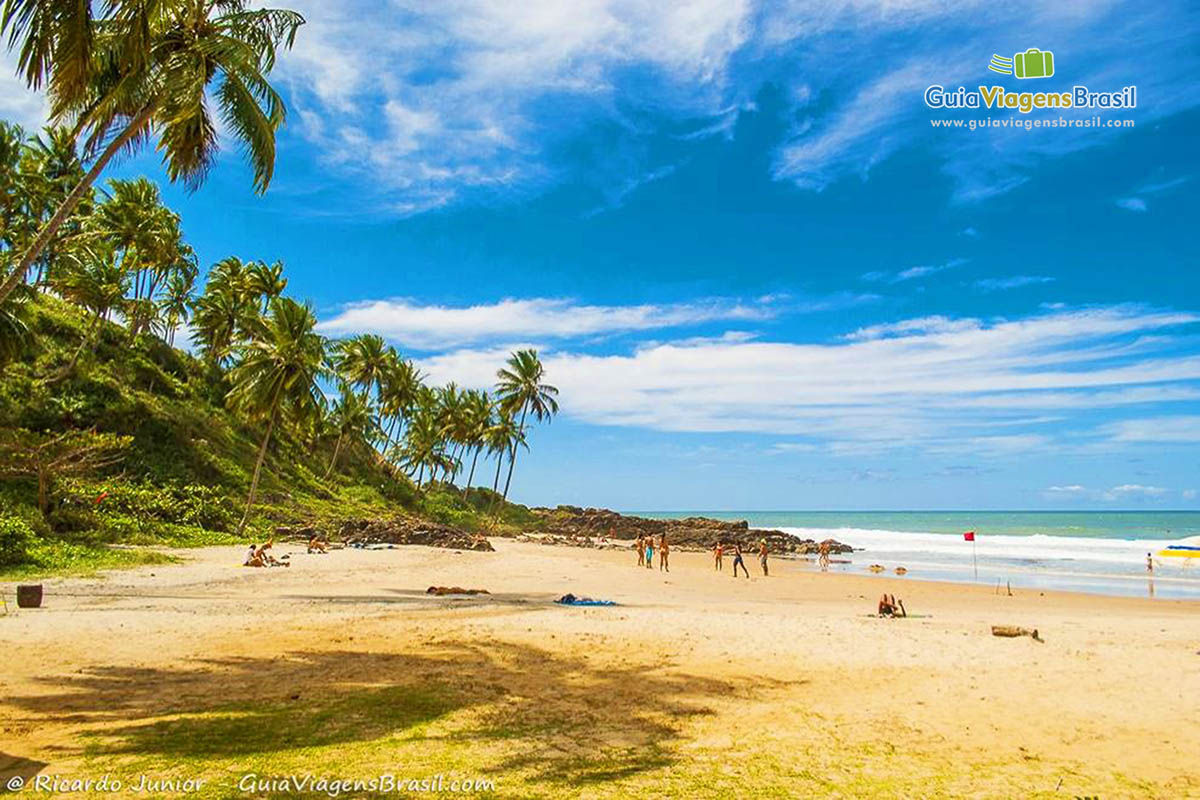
<point x="737" y="561"/>
<point x="762" y="556"/>
<point x="1149" y="564"/>
<point x="649" y="552"/>
<point x="640" y="546"/>
<point x="718" y="556"/>
<point x="664" y="551"/>
<point x="823" y="557"/>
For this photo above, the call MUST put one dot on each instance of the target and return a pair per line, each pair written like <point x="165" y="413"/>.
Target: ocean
<point x="1102" y="552"/>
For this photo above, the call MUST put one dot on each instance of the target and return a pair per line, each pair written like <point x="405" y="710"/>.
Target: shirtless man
<point x="737" y="561"/>
<point x="718" y="556"/>
<point x="664" y="552"/>
<point x="762" y="556"/>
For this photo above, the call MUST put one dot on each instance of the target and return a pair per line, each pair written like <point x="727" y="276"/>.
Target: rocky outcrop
<point x="589" y="526"/>
<point x="410" y="531"/>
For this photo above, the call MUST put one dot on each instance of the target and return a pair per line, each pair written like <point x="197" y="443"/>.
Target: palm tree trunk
<point x="262" y="454"/>
<point x="471" y="476"/>
<point x="512" y="458"/>
<point x="64" y="211"/>
<point x="336" y="449"/>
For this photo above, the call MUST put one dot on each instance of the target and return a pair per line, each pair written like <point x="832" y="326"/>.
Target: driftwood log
<point x="1012" y="631"/>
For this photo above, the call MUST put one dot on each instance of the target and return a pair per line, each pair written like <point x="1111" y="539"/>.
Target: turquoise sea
<point x="1103" y="552"/>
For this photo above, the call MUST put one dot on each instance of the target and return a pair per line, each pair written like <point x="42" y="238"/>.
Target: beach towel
<point x="572" y="600"/>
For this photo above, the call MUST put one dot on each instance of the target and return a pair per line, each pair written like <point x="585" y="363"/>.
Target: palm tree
<point x="277" y="376"/>
<point x="503" y="438"/>
<point x="398" y="390"/>
<point x="477" y="413"/>
<point x="520" y="388"/>
<point x="95" y="281"/>
<point x="264" y="281"/>
<point x="422" y="448"/>
<point x="362" y="361"/>
<point x="144" y="69"/>
<point x="351" y="418"/>
<point x="225" y="315"/>
<point x="176" y="304"/>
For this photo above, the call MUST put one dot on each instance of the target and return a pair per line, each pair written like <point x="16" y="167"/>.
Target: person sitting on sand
<point x="664" y="552"/>
<point x="762" y="556"/>
<point x="640" y="546"/>
<point x="889" y="606"/>
<point x="253" y="559"/>
<point x="315" y="545"/>
<point x="737" y="561"/>
<point x="649" y="552"/>
<point x="267" y="559"/>
<point x="718" y="556"/>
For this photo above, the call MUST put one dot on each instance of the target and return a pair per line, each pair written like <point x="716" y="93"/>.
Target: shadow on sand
<point x="547" y="716"/>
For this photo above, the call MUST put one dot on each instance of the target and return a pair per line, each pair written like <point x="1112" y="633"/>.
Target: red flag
<point x="969" y="536"/>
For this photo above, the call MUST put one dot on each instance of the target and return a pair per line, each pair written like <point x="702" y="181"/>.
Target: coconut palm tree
<point x="265" y="281"/>
<point x="176" y="304"/>
<point x="503" y="438"/>
<point x="352" y="419"/>
<point x="95" y="281"/>
<point x="276" y="377"/>
<point x="398" y="390"/>
<point x="362" y="361"/>
<point x="520" y="390"/>
<point x="140" y="70"/>
<point x="478" y="418"/>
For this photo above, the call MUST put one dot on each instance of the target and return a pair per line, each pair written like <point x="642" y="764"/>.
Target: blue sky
<point x="760" y="277"/>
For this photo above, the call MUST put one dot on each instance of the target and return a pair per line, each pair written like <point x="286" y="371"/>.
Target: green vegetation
<point x="108" y="433"/>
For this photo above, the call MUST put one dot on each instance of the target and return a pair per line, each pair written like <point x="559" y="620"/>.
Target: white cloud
<point x="1180" y="428"/>
<point x="17" y="103"/>
<point x="1189" y="494"/>
<point x="1015" y="282"/>
<point x="944" y="386"/>
<point x="1072" y="490"/>
<point x="911" y="273"/>
<point x="430" y="327"/>
<point x="1129" y="491"/>
<point x="1132" y="203"/>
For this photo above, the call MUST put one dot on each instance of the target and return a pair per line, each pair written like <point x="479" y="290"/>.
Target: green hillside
<point x="182" y="475"/>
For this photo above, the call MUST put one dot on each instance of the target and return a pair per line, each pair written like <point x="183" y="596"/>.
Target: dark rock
<point x="581" y="527"/>
<point x="410" y="531"/>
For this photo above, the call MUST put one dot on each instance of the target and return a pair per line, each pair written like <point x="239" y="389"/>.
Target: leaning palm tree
<point x="265" y="281"/>
<point x="478" y="418"/>
<point x="352" y="419"/>
<point x="277" y="376"/>
<point x="398" y="390"/>
<point x="94" y="281"/>
<point x="520" y="389"/>
<point x="141" y="70"/>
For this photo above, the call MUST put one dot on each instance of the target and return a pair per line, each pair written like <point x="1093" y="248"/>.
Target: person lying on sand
<point x="737" y="561"/>
<point x="718" y="556"/>
<point x="889" y="606"/>
<point x="664" y="552"/>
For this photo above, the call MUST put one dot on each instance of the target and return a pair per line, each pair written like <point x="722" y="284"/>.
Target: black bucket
<point x="29" y="595"/>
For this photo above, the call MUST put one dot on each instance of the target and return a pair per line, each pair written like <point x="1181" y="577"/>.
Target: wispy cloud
<point x="1131" y="204"/>
<point x="1015" y="282"/>
<point x="911" y="273"/>
<point x="430" y="327"/>
<point x="1180" y="428"/>
<point x="941" y="383"/>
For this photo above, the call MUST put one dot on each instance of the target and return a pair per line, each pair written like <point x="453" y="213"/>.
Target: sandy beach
<point x="696" y="684"/>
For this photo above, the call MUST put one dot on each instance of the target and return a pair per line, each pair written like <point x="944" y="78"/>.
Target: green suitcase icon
<point x="1033" y="63"/>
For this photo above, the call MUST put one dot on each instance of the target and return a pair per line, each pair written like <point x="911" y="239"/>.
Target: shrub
<point x="16" y="538"/>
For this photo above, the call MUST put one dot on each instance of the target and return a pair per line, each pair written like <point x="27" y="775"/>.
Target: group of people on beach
<point x="645" y="546"/>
